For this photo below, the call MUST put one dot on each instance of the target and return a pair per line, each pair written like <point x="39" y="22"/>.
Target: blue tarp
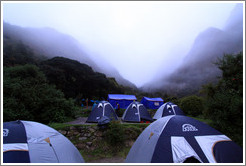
<point x="152" y="103"/>
<point x="123" y="100"/>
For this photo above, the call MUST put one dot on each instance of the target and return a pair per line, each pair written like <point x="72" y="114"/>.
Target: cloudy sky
<point x="137" y="38"/>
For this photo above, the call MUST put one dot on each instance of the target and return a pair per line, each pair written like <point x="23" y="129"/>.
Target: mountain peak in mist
<point x="198" y="66"/>
<point x="51" y="43"/>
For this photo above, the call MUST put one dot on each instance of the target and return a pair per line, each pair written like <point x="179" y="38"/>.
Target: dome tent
<point x="136" y="112"/>
<point x="175" y="138"/>
<point x="103" y="108"/>
<point x="32" y="142"/>
<point x="166" y="109"/>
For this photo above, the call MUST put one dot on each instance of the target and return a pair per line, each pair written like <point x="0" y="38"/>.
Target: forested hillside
<point x="78" y="80"/>
<point x="48" y="90"/>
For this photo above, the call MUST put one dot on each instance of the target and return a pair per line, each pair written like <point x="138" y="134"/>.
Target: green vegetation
<point x="28" y="96"/>
<point x="115" y="135"/>
<point x="77" y="80"/>
<point x="192" y="105"/>
<point x="224" y="101"/>
<point x="116" y="140"/>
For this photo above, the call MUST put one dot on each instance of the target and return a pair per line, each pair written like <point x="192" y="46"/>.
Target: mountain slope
<point x="51" y="43"/>
<point x="198" y="66"/>
<point x="78" y="80"/>
<point x="74" y="79"/>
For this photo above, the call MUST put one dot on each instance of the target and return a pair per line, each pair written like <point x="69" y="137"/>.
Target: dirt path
<point x="79" y="120"/>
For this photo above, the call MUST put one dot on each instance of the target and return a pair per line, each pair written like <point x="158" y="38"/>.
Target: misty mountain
<point x="76" y="80"/>
<point x="198" y="66"/>
<point x="51" y="43"/>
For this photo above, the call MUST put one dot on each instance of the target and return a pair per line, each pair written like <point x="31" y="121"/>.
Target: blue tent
<point x="32" y="142"/>
<point x="123" y="100"/>
<point x="136" y="112"/>
<point x="175" y="138"/>
<point x="103" y="108"/>
<point x="152" y="103"/>
<point x="168" y="109"/>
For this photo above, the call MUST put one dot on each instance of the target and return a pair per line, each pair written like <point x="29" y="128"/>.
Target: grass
<point x="61" y="126"/>
<point x="104" y="150"/>
<point x="207" y="121"/>
<point x="83" y="112"/>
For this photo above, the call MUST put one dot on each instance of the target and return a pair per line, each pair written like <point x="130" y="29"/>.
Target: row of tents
<point x="125" y="100"/>
<point x="135" y="112"/>
<point x="170" y="139"/>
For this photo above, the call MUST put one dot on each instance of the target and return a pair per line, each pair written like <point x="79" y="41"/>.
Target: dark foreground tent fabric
<point x="123" y="100"/>
<point x="136" y="112"/>
<point x="32" y="142"/>
<point x="175" y="138"/>
<point x="103" y="108"/>
<point x="166" y="109"/>
<point x="152" y="103"/>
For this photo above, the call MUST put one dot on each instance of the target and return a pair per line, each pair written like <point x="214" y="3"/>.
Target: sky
<point x="138" y="38"/>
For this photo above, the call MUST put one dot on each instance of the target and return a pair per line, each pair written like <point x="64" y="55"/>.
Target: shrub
<point x="28" y="96"/>
<point x="192" y="105"/>
<point x="115" y="134"/>
<point x="224" y="101"/>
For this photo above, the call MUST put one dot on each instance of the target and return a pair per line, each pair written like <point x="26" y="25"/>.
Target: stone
<point x="99" y="134"/>
<point x="92" y="130"/>
<point x="80" y="146"/>
<point x="76" y="133"/>
<point x="89" y="143"/>
<point x="63" y="132"/>
<point x="82" y="138"/>
<point x="72" y="128"/>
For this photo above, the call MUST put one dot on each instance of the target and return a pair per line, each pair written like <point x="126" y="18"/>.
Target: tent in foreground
<point x="152" y="103"/>
<point x="123" y="100"/>
<point x="168" y="109"/>
<point x="175" y="138"/>
<point x="102" y="109"/>
<point x="32" y="142"/>
<point x="136" y="112"/>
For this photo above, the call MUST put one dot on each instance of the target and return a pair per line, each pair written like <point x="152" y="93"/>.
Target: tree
<point x="192" y="105"/>
<point x="27" y="96"/>
<point x="225" y="100"/>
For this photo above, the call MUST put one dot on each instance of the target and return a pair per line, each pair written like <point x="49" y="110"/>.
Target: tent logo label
<point x="5" y="132"/>
<point x="188" y="127"/>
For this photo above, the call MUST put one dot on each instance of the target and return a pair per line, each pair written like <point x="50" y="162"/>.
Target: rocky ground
<point x="82" y="120"/>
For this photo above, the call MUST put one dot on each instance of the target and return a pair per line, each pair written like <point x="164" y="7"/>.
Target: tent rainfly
<point x="178" y="139"/>
<point x="33" y="142"/>
<point x="123" y="100"/>
<point x="152" y="103"/>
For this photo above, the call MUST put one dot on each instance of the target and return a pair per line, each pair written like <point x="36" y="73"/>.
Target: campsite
<point x="136" y="88"/>
<point x="56" y="108"/>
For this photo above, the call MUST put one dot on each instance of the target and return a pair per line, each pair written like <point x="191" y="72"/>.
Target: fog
<point x="139" y="39"/>
<point x="198" y="66"/>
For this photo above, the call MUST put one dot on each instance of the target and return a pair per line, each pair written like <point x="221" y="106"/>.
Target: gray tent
<point x="136" y="112"/>
<point x="32" y="142"/>
<point x="177" y="138"/>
